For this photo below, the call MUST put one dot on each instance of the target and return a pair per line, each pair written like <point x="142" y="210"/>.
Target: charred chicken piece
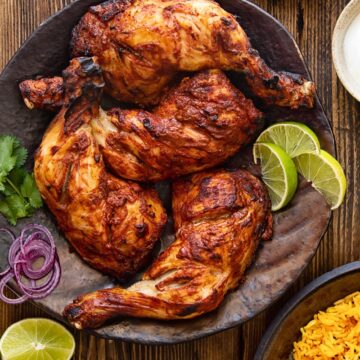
<point x="142" y="44"/>
<point x="112" y="224"/>
<point x="45" y="93"/>
<point x="198" y="125"/>
<point x="220" y="217"/>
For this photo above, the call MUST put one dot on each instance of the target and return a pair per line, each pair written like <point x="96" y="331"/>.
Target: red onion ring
<point x="35" y="250"/>
<point x="3" y="273"/>
<point x="35" y="242"/>
<point x="9" y="232"/>
<point x="37" y="291"/>
<point x="3" y="297"/>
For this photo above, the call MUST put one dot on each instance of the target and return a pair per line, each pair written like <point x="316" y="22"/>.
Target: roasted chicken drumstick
<point x="198" y="125"/>
<point x="220" y="217"/>
<point x="143" y="44"/>
<point x="44" y="93"/>
<point x="113" y="224"/>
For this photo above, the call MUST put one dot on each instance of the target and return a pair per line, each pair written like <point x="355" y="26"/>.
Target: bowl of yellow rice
<point x="321" y="322"/>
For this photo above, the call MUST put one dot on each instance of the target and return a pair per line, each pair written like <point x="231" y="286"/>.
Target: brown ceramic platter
<point x="298" y="229"/>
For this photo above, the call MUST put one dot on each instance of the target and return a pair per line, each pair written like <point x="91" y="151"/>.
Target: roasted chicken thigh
<point x="143" y="44"/>
<point x="112" y="224"/>
<point x="220" y="217"/>
<point x="198" y="124"/>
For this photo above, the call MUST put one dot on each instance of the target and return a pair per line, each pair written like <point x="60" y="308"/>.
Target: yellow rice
<point x="333" y="334"/>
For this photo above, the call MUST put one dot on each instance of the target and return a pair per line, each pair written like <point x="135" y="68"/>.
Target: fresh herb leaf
<point x="21" y="154"/>
<point x="17" y="205"/>
<point x="17" y="176"/>
<point x="29" y="190"/>
<point x="27" y="186"/>
<point x="18" y="188"/>
<point x="14" y="181"/>
<point x="6" y="211"/>
<point x="8" y="190"/>
<point x="14" y="207"/>
<point x="7" y="158"/>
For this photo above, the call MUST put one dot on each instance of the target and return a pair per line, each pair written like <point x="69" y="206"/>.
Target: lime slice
<point x="326" y="175"/>
<point x="37" y="339"/>
<point x="278" y="173"/>
<point x="294" y="138"/>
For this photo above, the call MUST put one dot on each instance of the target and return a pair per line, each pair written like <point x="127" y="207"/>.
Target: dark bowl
<point x="321" y="293"/>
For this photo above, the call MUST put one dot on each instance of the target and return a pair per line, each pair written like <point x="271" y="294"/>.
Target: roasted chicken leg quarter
<point x="220" y="217"/>
<point x="113" y="224"/>
<point x="143" y="44"/>
<point x="199" y="124"/>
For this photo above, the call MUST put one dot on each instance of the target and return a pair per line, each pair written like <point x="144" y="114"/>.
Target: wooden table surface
<point x="311" y="22"/>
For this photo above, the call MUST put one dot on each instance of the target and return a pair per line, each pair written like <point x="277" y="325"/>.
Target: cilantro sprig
<point x="19" y="196"/>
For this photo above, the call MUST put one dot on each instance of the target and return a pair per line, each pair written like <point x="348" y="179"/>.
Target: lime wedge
<point x="294" y="138"/>
<point x="37" y="339"/>
<point x="278" y="173"/>
<point x="326" y="175"/>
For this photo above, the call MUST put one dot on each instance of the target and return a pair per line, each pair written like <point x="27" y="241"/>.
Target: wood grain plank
<point x="311" y="22"/>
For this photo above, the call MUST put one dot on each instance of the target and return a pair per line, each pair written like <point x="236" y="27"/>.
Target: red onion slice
<point x="14" y="249"/>
<point x="3" y="273"/>
<point x="9" y="232"/>
<point x="6" y="299"/>
<point x="42" y="231"/>
<point x="37" y="249"/>
<point x="39" y="291"/>
<point x="35" y="242"/>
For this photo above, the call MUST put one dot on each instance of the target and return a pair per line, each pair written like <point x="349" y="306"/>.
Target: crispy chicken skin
<point x="220" y="217"/>
<point x="199" y="124"/>
<point x="113" y="224"/>
<point x="143" y="44"/>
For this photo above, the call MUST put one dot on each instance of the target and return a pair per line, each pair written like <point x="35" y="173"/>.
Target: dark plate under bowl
<point x="278" y="263"/>
<point x="321" y="293"/>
